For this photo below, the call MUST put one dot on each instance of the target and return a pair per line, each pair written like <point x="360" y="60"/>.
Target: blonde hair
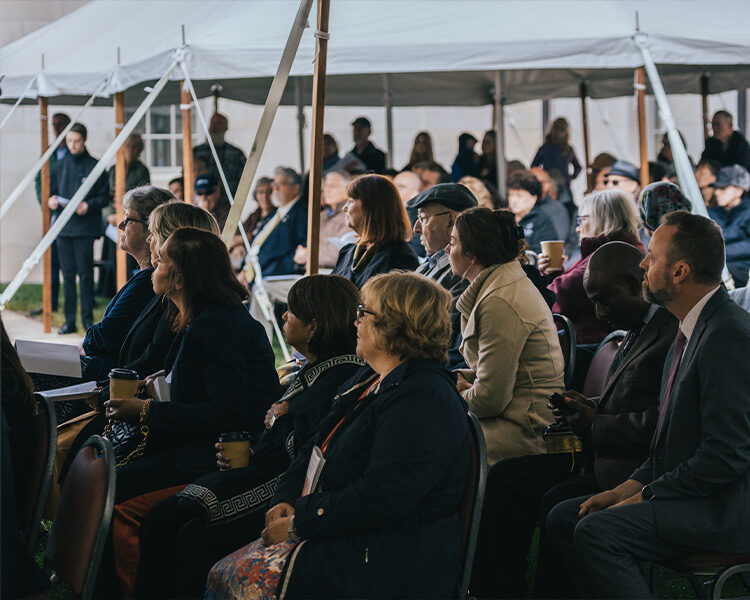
<point x="611" y="211"/>
<point x="480" y="191"/>
<point x="412" y="315"/>
<point x="168" y="218"/>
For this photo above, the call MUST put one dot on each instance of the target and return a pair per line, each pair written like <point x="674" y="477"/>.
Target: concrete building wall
<point x="613" y="128"/>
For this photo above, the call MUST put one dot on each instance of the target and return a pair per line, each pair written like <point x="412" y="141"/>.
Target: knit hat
<point x="658" y="199"/>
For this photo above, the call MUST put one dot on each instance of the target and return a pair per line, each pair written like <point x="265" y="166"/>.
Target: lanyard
<point x="324" y="445"/>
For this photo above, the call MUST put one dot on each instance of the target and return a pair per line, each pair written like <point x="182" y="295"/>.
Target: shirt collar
<point x="691" y="319"/>
<point x="284" y="210"/>
<point x="650" y="313"/>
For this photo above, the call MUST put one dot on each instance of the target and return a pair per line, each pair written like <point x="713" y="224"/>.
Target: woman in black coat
<point x="221" y="368"/>
<point x="382" y="520"/>
<point x="183" y="536"/>
<point x="378" y="217"/>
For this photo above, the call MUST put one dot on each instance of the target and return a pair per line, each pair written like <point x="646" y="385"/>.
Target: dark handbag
<point x="128" y="440"/>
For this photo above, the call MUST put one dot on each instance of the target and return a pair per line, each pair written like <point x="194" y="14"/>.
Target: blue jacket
<point x="538" y="228"/>
<point x="385" y="524"/>
<point x="66" y="177"/>
<point x="276" y="254"/>
<point x="104" y="340"/>
<point x="396" y="255"/>
<point x="223" y="379"/>
<point x="551" y="158"/>
<point x="735" y="225"/>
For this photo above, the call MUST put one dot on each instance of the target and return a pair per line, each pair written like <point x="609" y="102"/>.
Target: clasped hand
<point x="628" y="492"/>
<point x="277" y="524"/>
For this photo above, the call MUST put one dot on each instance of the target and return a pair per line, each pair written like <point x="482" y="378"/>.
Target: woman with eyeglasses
<point x="381" y="519"/>
<point x="104" y="340"/>
<point x="376" y="214"/>
<point x="605" y="216"/>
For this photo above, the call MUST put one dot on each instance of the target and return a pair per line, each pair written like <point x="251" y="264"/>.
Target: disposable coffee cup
<point x="237" y="447"/>
<point x="554" y="250"/>
<point x="123" y="383"/>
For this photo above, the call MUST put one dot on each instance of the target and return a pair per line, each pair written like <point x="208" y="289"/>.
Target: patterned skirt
<point x="251" y="573"/>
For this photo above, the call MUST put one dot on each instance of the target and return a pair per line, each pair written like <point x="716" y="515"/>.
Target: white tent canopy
<point x="438" y="53"/>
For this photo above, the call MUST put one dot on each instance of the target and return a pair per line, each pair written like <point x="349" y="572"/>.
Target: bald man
<point x="409" y="185"/>
<point x="232" y="159"/>
<point x="616" y="427"/>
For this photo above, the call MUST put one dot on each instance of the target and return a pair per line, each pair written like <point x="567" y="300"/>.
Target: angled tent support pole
<point x="44" y="195"/>
<point x="18" y="102"/>
<point x="29" y="177"/>
<point x="681" y="161"/>
<point x="92" y="178"/>
<point x="499" y="126"/>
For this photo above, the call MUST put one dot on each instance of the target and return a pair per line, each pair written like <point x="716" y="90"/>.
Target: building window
<point x="161" y="129"/>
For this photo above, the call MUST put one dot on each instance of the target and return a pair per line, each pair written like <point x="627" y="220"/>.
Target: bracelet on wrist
<point x="292" y="532"/>
<point x="145" y="411"/>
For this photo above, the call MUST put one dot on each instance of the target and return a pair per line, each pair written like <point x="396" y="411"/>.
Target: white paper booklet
<point x="161" y="385"/>
<point x="72" y="391"/>
<point x="49" y="358"/>
<point x="314" y="468"/>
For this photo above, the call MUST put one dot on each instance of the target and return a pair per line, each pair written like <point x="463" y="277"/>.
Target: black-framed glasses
<point x="124" y="223"/>
<point x="581" y="218"/>
<point x="424" y="218"/>
<point x="362" y="311"/>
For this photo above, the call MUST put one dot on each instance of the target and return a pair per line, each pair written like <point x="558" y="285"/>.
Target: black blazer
<point x="385" y="524"/>
<point x="223" y="379"/>
<point x="147" y="343"/>
<point x="396" y="255"/>
<point x="699" y="464"/>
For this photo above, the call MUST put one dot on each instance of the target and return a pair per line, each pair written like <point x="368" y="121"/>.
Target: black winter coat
<point x="385" y="523"/>
<point x="735" y="226"/>
<point x="736" y="152"/>
<point x="65" y="179"/>
<point x="396" y="255"/>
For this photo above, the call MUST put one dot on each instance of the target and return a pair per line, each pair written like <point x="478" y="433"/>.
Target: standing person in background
<point x="232" y="159"/>
<point x="726" y="146"/>
<point x="330" y="153"/>
<point x="75" y="243"/>
<point x="259" y="217"/>
<point x="549" y="205"/>
<point x="59" y="122"/>
<point x="732" y="213"/>
<point x="421" y="151"/>
<point x="409" y="184"/>
<point x="524" y="191"/>
<point x="466" y="163"/>
<point x="208" y="196"/>
<point x="364" y="150"/>
<point x="487" y="161"/>
<point x="557" y="153"/>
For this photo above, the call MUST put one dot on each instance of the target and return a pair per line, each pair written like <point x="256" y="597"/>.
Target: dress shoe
<point x="35" y="312"/>
<point x="67" y="328"/>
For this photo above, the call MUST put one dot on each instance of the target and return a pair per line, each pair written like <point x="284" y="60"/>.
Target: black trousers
<point x="519" y="492"/>
<point x="77" y="259"/>
<point x="55" y="260"/>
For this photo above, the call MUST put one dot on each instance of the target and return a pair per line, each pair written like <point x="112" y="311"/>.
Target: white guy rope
<point x="20" y="99"/>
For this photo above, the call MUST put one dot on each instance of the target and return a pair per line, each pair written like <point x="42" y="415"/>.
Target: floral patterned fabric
<point x="251" y="572"/>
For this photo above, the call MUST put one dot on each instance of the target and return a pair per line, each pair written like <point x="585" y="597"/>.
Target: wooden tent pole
<point x="640" y="74"/>
<point x="585" y="119"/>
<point x="187" y="143"/>
<point x="704" y="103"/>
<point x="300" y="122"/>
<point x="316" y="153"/>
<point x="120" y="171"/>
<point x="499" y="126"/>
<point x="44" y="195"/>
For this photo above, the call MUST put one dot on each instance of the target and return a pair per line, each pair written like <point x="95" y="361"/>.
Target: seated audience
<point x="665" y="157"/>
<point x="273" y="247"/>
<point x="616" y="428"/>
<point x="333" y="225"/>
<point x="182" y="537"/>
<point x="705" y="175"/>
<point x="22" y="578"/>
<point x="480" y="191"/>
<point x="556" y="153"/>
<point x="466" y="163"/>
<point x="330" y="153"/>
<point x="598" y="172"/>
<point x="409" y="185"/>
<point x="524" y="190"/>
<point x="625" y="177"/>
<point x="376" y="214"/>
<point x="690" y="495"/>
<point x="208" y="196"/>
<point x="658" y="199"/>
<point x="421" y="151"/>
<point x="396" y="445"/>
<point x="732" y="213"/>
<point x="509" y="338"/>
<point x="221" y="369"/>
<point x="603" y="217"/>
<point x="431" y="173"/>
<point x="488" y="160"/>
<point x="726" y="146"/>
<point x="104" y="340"/>
<point x="364" y="150"/>
<point x="549" y="205"/>
<point x="260" y="216"/>
<point x="177" y="187"/>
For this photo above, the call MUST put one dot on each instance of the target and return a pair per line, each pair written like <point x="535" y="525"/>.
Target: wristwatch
<point x="647" y="493"/>
<point x="292" y="532"/>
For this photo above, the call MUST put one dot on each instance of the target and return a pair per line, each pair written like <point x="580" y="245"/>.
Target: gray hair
<point x="291" y="176"/>
<point x="610" y="211"/>
<point x="144" y="199"/>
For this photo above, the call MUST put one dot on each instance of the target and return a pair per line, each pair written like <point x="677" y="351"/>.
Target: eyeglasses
<point x="581" y="218"/>
<point x="124" y="223"/>
<point x="424" y="218"/>
<point x="362" y="311"/>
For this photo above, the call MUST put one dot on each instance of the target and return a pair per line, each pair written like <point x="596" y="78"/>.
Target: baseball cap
<point x="361" y="122"/>
<point x="736" y="175"/>
<point x="453" y="196"/>
<point x="206" y="182"/>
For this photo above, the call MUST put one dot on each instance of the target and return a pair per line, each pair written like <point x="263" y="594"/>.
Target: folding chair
<point x="717" y="567"/>
<point x="567" y="336"/>
<point x="596" y="376"/>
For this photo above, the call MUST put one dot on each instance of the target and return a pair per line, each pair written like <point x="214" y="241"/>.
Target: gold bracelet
<point x="145" y="410"/>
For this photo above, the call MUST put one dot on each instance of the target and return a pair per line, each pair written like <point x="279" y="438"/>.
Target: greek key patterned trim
<point x="313" y="373"/>
<point x="290" y="443"/>
<point x="234" y="507"/>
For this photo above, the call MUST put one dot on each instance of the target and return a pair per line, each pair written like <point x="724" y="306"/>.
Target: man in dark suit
<point x="693" y="491"/>
<point x="615" y="427"/>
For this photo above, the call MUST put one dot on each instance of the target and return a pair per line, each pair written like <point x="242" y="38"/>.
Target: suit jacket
<point x="699" y="463"/>
<point x="276" y="254"/>
<point x="629" y="405"/>
<point x="147" y="343"/>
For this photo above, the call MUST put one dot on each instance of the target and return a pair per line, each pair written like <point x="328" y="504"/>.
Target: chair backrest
<point x="596" y="376"/>
<point x="567" y="335"/>
<point x="470" y="509"/>
<point x="41" y="467"/>
<point x="84" y="513"/>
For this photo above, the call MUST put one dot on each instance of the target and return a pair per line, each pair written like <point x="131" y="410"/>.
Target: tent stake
<point x="316" y="152"/>
<point x="44" y="193"/>
<point x="188" y="184"/>
<point x="120" y="185"/>
<point x="640" y="92"/>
